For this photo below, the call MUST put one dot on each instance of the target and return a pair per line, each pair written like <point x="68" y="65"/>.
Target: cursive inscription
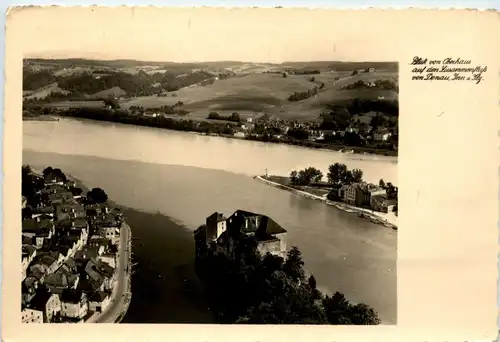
<point x="446" y="69"/>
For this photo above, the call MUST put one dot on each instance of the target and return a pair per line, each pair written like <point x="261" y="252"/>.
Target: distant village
<point x="70" y="242"/>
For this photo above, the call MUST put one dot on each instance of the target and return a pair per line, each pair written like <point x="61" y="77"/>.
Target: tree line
<point x="245" y="287"/>
<point x="299" y="96"/>
<point x="139" y="84"/>
<point x="125" y="117"/>
<point x="235" y="117"/>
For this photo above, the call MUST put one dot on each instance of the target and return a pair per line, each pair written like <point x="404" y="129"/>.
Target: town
<point x="71" y="251"/>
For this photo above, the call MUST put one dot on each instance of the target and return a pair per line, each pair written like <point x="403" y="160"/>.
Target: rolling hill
<point x="250" y="89"/>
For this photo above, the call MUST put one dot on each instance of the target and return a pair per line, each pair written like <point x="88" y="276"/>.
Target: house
<point x="109" y="259"/>
<point x="270" y="236"/>
<point x="74" y="304"/>
<point x="350" y="192"/>
<point x="28" y="254"/>
<point x="31" y="316"/>
<point x="100" y="271"/>
<point x="382" y="203"/>
<point x="70" y="211"/>
<point x="52" y="179"/>
<point x="239" y="134"/>
<point x="99" y="241"/>
<point x="61" y="280"/>
<point x="108" y="226"/>
<point x="381" y="134"/>
<point x="36" y="226"/>
<point x="43" y="265"/>
<point x="99" y="301"/>
<point x="29" y="287"/>
<point x="60" y="197"/>
<point x="46" y="302"/>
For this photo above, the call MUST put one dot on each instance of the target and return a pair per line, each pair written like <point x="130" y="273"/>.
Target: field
<point x="252" y="91"/>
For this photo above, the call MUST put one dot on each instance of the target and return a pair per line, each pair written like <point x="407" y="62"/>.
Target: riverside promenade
<point x="121" y="295"/>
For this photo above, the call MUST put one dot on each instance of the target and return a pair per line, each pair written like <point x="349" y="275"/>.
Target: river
<point x="183" y="177"/>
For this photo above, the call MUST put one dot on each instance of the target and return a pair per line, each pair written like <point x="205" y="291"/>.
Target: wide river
<point x="187" y="177"/>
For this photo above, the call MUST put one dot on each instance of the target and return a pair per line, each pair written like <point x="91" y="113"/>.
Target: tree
<point x="294" y="264"/>
<point x="381" y="183"/>
<point x="308" y="175"/>
<point x="47" y="171"/>
<point x="112" y="102"/>
<point x="349" y="177"/>
<point x="235" y="117"/>
<point x="392" y="191"/>
<point x="336" y="173"/>
<point x="97" y="195"/>
<point x="294" y="178"/>
<point x="357" y="175"/>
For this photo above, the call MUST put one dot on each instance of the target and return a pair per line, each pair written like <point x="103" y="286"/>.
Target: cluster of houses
<point x="270" y="236"/>
<point x="68" y="254"/>
<point x="364" y="195"/>
<point x="279" y="128"/>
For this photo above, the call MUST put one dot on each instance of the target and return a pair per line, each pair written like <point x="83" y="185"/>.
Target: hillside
<point x="251" y="89"/>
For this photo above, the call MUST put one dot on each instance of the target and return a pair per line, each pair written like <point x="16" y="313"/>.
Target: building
<point x="239" y="134"/>
<point x="101" y="272"/>
<point x="270" y="236"/>
<point x="99" y="301"/>
<point x="381" y="134"/>
<point x="28" y="254"/>
<point x="74" y="304"/>
<point x="108" y="227"/>
<point x="38" y="227"/>
<point x="61" y="280"/>
<point x="45" y="302"/>
<point x="70" y="210"/>
<point x="382" y="203"/>
<point x="31" y="316"/>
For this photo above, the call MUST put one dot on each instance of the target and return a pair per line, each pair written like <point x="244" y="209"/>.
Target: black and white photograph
<point x="209" y="192"/>
<point x="206" y="173"/>
<point x="161" y="189"/>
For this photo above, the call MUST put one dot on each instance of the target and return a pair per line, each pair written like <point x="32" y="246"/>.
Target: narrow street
<point x="118" y="298"/>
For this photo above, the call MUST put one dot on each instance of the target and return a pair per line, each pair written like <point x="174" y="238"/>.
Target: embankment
<point x="375" y="217"/>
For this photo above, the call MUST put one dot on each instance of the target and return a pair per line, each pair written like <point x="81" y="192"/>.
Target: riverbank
<point x="216" y="129"/>
<point x="388" y="220"/>
<point x="40" y="118"/>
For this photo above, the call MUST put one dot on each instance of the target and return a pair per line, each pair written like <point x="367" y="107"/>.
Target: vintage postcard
<point x="271" y="174"/>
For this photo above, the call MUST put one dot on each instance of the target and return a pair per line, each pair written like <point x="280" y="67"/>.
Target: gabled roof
<point x="72" y="296"/>
<point x="98" y="296"/>
<point x="39" y="301"/>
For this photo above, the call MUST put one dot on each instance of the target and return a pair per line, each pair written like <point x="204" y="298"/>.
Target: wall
<point x="74" y="310"/>
<point x="31" y="316"/>
<point x="93" y="305"/>
<point x="53" y="306"/>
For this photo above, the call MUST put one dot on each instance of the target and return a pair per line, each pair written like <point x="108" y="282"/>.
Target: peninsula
<point x="345" y="190"/>
<point x="76" y="252"/>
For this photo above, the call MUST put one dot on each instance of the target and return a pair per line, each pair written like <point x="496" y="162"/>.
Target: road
<point x="117" y="301"/>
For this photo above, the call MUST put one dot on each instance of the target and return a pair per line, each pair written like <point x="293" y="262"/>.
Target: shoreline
<point x="40" y="118"/>
<point x="367" y="214"/>
<point x="357" y="150"/>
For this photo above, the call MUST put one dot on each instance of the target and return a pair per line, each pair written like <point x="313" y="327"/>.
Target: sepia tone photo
<point x="231" y="192"/>
<point x="187" y="173"/>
